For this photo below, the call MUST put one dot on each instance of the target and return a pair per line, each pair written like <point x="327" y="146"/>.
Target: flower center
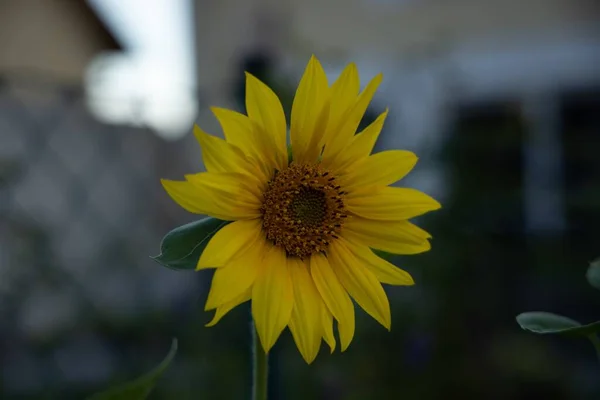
<point x="303" y="210"/>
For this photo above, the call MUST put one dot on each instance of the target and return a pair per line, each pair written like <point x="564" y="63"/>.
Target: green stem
<point x="260" y="368"/>
<point x="596" y="343"/>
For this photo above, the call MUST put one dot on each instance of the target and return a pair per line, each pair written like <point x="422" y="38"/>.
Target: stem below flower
<point x="260" y="368"/>
<point x="596" y="343"/>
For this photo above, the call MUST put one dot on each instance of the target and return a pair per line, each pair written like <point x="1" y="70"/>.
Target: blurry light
<point x="111" y="88"/>
<point x="153" y="83"/>
<point x="122" y="90"/>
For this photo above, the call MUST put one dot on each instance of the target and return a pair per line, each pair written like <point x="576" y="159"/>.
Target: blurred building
<point x="79" y="201"/>
<point x="442" y="61"/>
<point x="61" y="38"/>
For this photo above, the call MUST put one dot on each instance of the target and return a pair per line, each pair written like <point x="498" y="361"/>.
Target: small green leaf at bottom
<point x="182" y="247"/>
<point x="140" y="388"/>
<point x="547" y="323"/>
<point x="593" y="274"/>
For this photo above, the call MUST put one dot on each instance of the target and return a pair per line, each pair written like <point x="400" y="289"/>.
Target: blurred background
<point x="500" y="100"/>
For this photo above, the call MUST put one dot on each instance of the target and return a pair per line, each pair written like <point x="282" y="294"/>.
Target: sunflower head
<point x="299" y="245"/>
<point x="303" y="210"/>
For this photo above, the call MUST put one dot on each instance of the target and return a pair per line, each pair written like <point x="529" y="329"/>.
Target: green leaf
<point x="140" y="388"/>
<point x="290" y="154"/>
<point x="593" y="274"/>
<point x="182" y="247"/>
<point x="548" y="323"/>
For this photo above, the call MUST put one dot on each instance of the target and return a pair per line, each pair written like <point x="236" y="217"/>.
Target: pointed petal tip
<point x="435" y="205"/>
<point x="170" y="186"/>
<point x="264" y="348"/>
<point x="217" y="111"/>
<point x="387" y="323"/>
<point x="407" y="279"/>
<point x="331" y="345"/>
<point x="268" y="346"/>
<point x="213" y="321"/>
<point x="209" y="305"/>
<point x="383" y="116"/>
<point x="198" y="131"/>
<point x="250" y="79"/>
<point x="202" y="264"/>
<point x="201" y="137"/>
<point x="167" y="182"/>
<point x="309" y="355"/>
<point x="308" y="358"/>
<point x="314" y="62"/>
<point x="345" y="342"/>
<point x="413" y="159"/>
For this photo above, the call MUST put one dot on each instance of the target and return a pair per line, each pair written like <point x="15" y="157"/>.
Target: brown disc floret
<point x="303" y="210"/>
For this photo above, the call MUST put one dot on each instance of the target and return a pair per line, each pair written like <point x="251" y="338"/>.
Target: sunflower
<point x="299" y="244"/>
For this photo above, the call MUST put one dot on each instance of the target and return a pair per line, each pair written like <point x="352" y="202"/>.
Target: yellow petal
<point x="356" y="113"/>
<point x="272" y="297"/>
<point x="398" y="237"/>
<point x="241" y="132"/>
<point x="263" y="107"/>
<point x="309" y="113"/>
<point x="230" y="241"/>
<point x="383" y="270"/>
<point x="327" y="322"/>
<point x="225" y="308"/>
<point x="218" y="155"/>
<point x="235" y="277"/>
<point x="247" y="135"/>
<point x="342" y="136"/>
<point x="381" y="169"/>
<point x="305" y="324"/>
<point x="344" y="93"/>
<point x="361" y="145"/>
<point x="361" y="283"/>
<point x="335" y="297"/>
<point x="200" y="200"/>
<point x="237" y="130"/>
<point x="230" y="188"/>
<point x="391" y="203"/>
